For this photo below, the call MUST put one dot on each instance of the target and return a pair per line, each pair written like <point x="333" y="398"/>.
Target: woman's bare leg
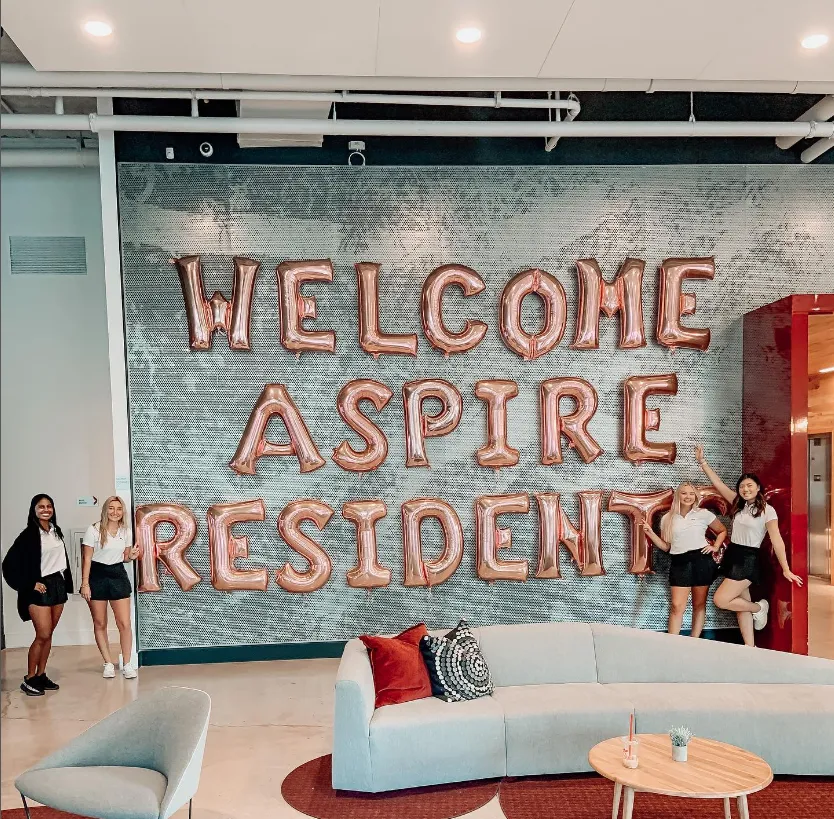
<point x="678" y="598"/>
<point x="699" y="609"/>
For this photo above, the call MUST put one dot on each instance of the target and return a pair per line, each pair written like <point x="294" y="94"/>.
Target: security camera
<point x="206" y="149"/>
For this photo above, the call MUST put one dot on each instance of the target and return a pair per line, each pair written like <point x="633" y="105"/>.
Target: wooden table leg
<point x="728" y="812"/>
<point x="743" y="811"/>
<point x="628" y="803"/>
<point x="618" y="789"/>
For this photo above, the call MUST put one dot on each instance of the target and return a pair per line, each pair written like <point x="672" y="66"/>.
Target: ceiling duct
<point x="291" y="110"/>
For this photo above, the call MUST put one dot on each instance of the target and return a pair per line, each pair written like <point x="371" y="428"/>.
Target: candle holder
<point x="630" y="748"/>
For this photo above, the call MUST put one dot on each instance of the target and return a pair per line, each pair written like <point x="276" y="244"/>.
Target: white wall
<point x="56" y="412"/>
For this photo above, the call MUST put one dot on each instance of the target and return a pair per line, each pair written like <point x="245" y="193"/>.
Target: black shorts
<point x="55" y="594"/>
<point x="741" y="563"/>
<point x="692" y="569"/>
<point x="108" y="582"/>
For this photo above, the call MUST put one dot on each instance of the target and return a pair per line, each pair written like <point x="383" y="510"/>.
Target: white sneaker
<point x="109" y="671"/>
<point x="129" y="672"/>
<point x="760" y="617"/>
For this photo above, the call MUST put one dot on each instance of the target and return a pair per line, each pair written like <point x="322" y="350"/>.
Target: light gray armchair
<point x="141" y="762"/>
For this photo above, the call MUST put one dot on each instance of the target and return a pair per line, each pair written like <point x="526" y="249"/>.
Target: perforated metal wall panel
<point x="770" y="229"/>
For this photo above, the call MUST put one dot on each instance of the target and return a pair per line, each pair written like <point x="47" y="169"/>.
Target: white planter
<point x="679" y="753"/>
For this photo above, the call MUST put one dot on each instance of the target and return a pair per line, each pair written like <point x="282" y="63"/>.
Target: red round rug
<point x="38" y="813"/>
<point x="590" y="797"/>
<point x="308" y="789"/>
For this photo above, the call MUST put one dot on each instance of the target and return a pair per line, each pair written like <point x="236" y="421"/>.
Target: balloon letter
<point x="368" y="574"/>
<point x="275" y="400"/>
<point x="418" y="426"/>
<point x="490" y="537"/>
<point x="574" y="426"/>
<point x="170" y="552"/>
<point x="289" y="528"/>
<point x="496" y="452"/>
<point x="207" y="315"/>
<point x="435" y="330"/>
<point x="596" y="296"/>
<point x="348" y="405"/>
<point x="555" y="528"/>
<point x="417" y="571"/>
<point x="640" y="508"/>
<point x="293" y="308"/>
<point x="672" y="303"/>
<point x="371" y="338"/>
<point x="637" y="418"/>
<point x="224" y="547"/>
<point x="552" y="294"/>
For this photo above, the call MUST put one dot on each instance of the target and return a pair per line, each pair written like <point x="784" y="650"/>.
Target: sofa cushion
<point x="456" y="666"/>
<point x="104" y="791"/>
<point x="790" y="726"/>
<point x="397" y="665"/>
<point x="625" y="655"/>
<point x="427" y="742"/>
<point x="551" y="728"/>
<point x="539" y="653"/>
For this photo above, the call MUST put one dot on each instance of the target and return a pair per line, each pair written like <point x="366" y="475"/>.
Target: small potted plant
<point x="680" y="737"/>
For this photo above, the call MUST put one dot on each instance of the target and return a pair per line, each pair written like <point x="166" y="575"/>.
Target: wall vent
<point x="48" y="255"/>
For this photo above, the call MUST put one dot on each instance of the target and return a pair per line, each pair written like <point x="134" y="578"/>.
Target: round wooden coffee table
<point x="714" y="770"/>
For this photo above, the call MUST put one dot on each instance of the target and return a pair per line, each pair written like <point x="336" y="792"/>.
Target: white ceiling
<point x="564" y="39"/>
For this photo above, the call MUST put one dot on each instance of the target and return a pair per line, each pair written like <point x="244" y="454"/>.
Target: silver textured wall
<point x="770" y="229"/>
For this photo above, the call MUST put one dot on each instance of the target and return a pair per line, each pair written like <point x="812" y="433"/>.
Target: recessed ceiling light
<point x="815" y="41"/>
<point x="97" y="28"/>
<point x="468" y="35"/>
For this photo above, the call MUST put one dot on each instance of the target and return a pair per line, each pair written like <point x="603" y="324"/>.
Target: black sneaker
<point x="46" y="684"/>
<point x="31" y="687"/>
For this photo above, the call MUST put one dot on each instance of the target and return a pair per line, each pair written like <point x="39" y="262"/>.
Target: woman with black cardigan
<point x="37" y="568"/>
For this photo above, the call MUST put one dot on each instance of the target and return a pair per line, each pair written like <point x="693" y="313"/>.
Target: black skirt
<point x="692" y="568"/>
<point x="108" y="581"/>
<point x="55" y="594"/>
<point x="741" y="563"/>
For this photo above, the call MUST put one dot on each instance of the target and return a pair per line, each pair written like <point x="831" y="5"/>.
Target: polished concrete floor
<point x="820" y="618"/>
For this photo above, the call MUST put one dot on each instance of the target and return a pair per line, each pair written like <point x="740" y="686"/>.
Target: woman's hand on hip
<point x="85" y="592"/>
<point x="40" y="588"/>
<point x="791" y="577"/>
<point x="133" y="553"/>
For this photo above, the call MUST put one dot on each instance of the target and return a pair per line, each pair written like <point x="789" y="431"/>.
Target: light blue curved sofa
<point x="562" y="687"/>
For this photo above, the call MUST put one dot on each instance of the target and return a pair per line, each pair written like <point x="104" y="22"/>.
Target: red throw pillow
<point x="400" y="673"/>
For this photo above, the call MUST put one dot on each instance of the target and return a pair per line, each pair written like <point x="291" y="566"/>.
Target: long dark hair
<point x="33" y="523"/>
<point x="759" y="502"/>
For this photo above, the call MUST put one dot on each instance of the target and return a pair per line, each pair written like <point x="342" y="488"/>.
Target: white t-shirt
<point x="689" y="530"/>
<point x="53" y="556"/>
<point x="113" y="550"/>
<point x="750" y="531"/>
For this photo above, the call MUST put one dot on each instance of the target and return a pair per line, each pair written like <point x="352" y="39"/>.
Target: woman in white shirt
<point x="683" y="533"/>
<point x="105" y="548"/>
<point x="753" y="517"/>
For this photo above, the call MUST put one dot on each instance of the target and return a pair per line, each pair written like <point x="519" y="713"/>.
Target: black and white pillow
<point x="457" y="669"/>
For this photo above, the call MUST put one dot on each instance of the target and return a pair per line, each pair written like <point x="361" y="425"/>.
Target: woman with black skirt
<point x="753" y="518"/>
<point x="105" y="548"/>
<point x="37" y="568"/>
<point x="692" y="568"/>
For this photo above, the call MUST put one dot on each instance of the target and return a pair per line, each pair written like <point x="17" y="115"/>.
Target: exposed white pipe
<point x="49" y="158"/>
<point x="817" y="149"/>
<point x="22" y="76"/>
<point x="820" y="112"/>
<point x="413" y="128"/>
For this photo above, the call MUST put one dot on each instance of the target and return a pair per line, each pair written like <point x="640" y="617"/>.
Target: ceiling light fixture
<point x="815" y="41"/>
<point x="468" y="35"/>
<point x="97" y="28"/>
<point x="827" y="370"/>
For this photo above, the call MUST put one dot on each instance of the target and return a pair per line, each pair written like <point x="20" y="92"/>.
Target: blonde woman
<point x="692" y="569"/>
<point x="105" y="548"/>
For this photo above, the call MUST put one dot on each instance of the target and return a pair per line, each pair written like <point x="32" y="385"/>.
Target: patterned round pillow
<point x="457" y="669"/>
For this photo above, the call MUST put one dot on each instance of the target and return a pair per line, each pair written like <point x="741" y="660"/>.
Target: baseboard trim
<point x="240" y="654"/>
<point x="722" y="635"/>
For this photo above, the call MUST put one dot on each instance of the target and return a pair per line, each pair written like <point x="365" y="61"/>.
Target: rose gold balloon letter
<point x="596" y="296"/>
<point x="639" y="508"/>
<point x="347" y="404"/>
<point x="418" y="426"/>
<point x="170" y="552"/>
<point x="672" y="303"/>
<point x="224" y="547"/>
<point x="293" y="308"/>
<point x="207" y="315"/>
<point x="496" y="452"/>
<point x="637" y="418"/>
<point x="371" y="338"/>
<point x="574" y="426"/>
<point x="275" y="400"/>
<point x="490" y="537"/>
<point x="368" y="574"/>
<point x="417" y="571"/>
<point x="434" y="329"/>
<point x="555" y="528"/>
<point x="552" y="294"/>
<point x="289" y="527"/>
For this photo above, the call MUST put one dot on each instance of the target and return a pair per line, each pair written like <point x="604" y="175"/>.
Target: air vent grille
<point x="48" y="255"/>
